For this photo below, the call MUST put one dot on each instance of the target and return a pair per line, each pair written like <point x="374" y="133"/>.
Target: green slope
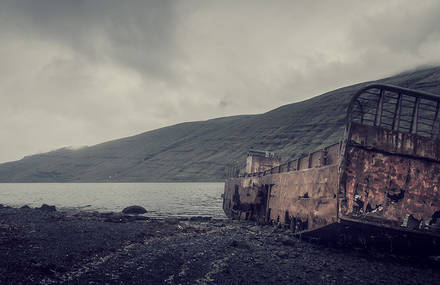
<point x="201" y="151"/>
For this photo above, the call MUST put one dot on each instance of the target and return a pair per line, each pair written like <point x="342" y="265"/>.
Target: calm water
<point x="160" y="199"/>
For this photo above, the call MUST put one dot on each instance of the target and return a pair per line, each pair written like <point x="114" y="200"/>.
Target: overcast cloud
<point x="78" y="73"/>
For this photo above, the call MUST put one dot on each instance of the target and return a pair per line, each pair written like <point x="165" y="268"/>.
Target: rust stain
<point x="390" y="186"/>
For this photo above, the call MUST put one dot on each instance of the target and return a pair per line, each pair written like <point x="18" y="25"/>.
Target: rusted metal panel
<point x="294" y="165"/>
<point x="306" y="198"/>
<point x="332" y="154"/>
<point x="243" y="198"/>
<point x="304" y="162"/>
<point x="285" y="167"/>
<point x="394" y="142"/>
<point x="391" y="187"/>
<point x="390" y="181"/>
<point x="303" y="199"/>
<point x="259" y="163"/>
<point x="317" y="159"/>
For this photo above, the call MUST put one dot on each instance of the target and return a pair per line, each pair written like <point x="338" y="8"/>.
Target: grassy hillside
<point x="201" y="151"/>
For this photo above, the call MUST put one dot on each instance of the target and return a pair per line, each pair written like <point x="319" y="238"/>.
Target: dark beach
<point x="62" y="247"/>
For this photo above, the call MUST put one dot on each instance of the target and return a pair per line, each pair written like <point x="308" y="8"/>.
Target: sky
<point x="76" y="72"/>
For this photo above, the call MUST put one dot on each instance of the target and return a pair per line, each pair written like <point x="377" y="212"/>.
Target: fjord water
<point x="160" y="199"/>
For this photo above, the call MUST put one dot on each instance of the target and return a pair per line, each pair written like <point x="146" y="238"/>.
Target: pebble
<point x="283" y="254"/>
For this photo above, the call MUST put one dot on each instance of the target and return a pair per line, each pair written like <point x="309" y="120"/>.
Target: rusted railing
<point x="396" y="108"/>
<point x="314" y="159"/>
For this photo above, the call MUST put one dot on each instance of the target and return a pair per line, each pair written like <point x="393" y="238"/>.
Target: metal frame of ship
<point x="381" y="181"/>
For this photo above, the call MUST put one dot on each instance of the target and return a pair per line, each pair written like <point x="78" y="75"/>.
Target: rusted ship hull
<point x="383" y="175"/>
<point x="287" y="193"/>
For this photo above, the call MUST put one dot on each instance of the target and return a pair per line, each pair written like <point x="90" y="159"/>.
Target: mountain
<point x="202" y="151"/>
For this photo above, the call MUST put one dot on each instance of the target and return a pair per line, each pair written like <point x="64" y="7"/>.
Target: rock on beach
<point x="47" y="208"/>
<point x="134" y="210"/>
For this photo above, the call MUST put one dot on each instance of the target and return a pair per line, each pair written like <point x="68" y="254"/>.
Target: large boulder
<point x="47" y="208"/>
<point x="134" y="210"/>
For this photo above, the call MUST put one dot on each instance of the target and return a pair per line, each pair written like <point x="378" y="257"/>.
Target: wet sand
<point x="42" y="247"/>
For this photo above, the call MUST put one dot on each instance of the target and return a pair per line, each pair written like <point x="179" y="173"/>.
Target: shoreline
<point x="42" y="247"/>
<point x="161" y="200"/>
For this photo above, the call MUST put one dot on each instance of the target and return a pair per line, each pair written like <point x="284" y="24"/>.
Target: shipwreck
<point x="380" y="182"/>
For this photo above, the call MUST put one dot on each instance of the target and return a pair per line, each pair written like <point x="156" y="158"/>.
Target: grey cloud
<point x="82" y="72"/>
<point x="138" y="34"/>
<point x="401" y="28"/>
